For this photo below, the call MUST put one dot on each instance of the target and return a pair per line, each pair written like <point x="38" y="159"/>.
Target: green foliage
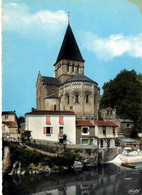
<point x="134" y="134"/>
<point x="27" y="156"/>
<point x="67" y="159"/>
<point x="24" y="155"/>
<point x="125" y="94"/>
<point x="26" y="134"/>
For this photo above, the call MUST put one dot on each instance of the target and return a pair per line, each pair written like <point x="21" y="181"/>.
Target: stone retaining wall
<point x="104" y="154"/>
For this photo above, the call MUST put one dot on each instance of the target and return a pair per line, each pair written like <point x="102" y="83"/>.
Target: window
<point x="108" y="143"/>
<point x="6" y="117"/>
<point x="60" y="131"/>
<point x="128" y="125"/>
<point x="48" y="120"/>
<point x="101" y="143"/>
<point x="78" y="69"/>
<point x="68" y="99"/>
<point x="76" y="98"/>
<point x="85" y="131"/>
<point x="84" y="141"/>
<point x="113" y="130"/>
<point x="91" y="141"/>
<point x="68" y="68"/>
<point x="73" y="68"/>
<point x="48" y="130"/>
<point x="104" y="130"/>
<point x="61" y="120"/>
<point x="55" y="107"/>
<point x="87" y="99"/>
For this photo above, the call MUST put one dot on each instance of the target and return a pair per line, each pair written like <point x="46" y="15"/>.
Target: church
<point x="69" y="89"/>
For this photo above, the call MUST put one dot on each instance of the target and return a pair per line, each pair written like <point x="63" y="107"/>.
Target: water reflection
<point x="105" y="180"/>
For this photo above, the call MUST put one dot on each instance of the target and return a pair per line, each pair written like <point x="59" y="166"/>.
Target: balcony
<point x="60" y="135"/>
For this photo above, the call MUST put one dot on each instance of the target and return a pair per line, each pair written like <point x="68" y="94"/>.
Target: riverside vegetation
<point x="22" y="160"/>
<point x="27" y="161"/>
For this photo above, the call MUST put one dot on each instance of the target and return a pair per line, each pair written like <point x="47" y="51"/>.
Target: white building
<point x="52" y="125"/>
<point x="107" y="133"/>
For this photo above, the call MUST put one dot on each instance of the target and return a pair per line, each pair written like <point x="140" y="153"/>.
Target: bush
<point x="27" y="156"/>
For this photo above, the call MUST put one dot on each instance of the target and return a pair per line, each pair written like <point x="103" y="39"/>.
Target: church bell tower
<point x="69" y="61"/>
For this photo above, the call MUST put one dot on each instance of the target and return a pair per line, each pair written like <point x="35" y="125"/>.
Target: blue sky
<point x="108" y="32"/>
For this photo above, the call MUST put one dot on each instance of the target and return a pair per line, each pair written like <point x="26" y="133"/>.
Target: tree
<point x="25" y="135"/>
<point x="125" y="94"/>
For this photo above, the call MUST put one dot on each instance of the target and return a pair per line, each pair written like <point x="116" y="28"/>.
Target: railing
<point x="60" y="135"/>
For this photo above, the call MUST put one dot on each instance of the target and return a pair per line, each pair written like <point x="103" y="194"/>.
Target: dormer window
<point x="68" y="67"/>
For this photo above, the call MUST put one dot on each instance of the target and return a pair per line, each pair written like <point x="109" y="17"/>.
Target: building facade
<point x="125" y="126"/>
<point x="69" y="89"/>
<point x="52" y="126"/>
<point x="107" y="133"/>
<point x="9" y="125"/>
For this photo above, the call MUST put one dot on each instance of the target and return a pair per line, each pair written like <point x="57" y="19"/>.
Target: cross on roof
<point x="68" y="17"/>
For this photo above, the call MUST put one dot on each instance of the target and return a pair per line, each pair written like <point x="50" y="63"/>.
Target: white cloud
<point x="18" y="18"/>
<point x="114" y="45"/>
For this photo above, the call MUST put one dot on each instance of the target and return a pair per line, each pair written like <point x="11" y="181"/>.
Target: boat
<point x="128" y="149"/>
<point x="128" y="165"/>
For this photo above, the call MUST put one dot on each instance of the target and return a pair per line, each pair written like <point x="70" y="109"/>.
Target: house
<point x="70" y="89"/>
<point x="124" y="125"/>
<point x="52" y="125"/>
<point x="85" y="133"/>
<point x="9" y="125"/>
<point x="101" y="133"/>
<point x="107" y="133"/>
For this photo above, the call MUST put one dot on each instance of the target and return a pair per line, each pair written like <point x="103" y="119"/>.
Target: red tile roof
<point x="84" y="123"/>
<point x="50" y="112"/>
<point x="105" y="123"/>
<point x="10" y="124"/>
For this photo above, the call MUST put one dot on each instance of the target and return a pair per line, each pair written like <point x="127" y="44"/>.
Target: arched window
<point x="87" y="99"/>
<point x="68" y="99"/>
<point x="76" y="98"/>
<point x="68" y="67"/>
<point x="78" y="69"/>
<point x="73" y="68"/>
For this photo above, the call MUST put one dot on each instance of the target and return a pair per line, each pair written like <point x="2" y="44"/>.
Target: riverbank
<point x="32" y="159"/>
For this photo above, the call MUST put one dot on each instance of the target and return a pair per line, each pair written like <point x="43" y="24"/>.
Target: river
<point x="107" y="179"/>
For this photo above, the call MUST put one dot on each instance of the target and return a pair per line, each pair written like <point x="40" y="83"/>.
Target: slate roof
<point x="81" y="78"/>
<point x="84" y="123"/>
<point x="69" y="49"/>
<point x="105" y="123"/>
<point x="50" y="112"/>
<point x="50" y="81"/>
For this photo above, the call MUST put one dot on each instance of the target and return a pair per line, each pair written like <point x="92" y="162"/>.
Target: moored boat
<point x="128" y="165"/>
